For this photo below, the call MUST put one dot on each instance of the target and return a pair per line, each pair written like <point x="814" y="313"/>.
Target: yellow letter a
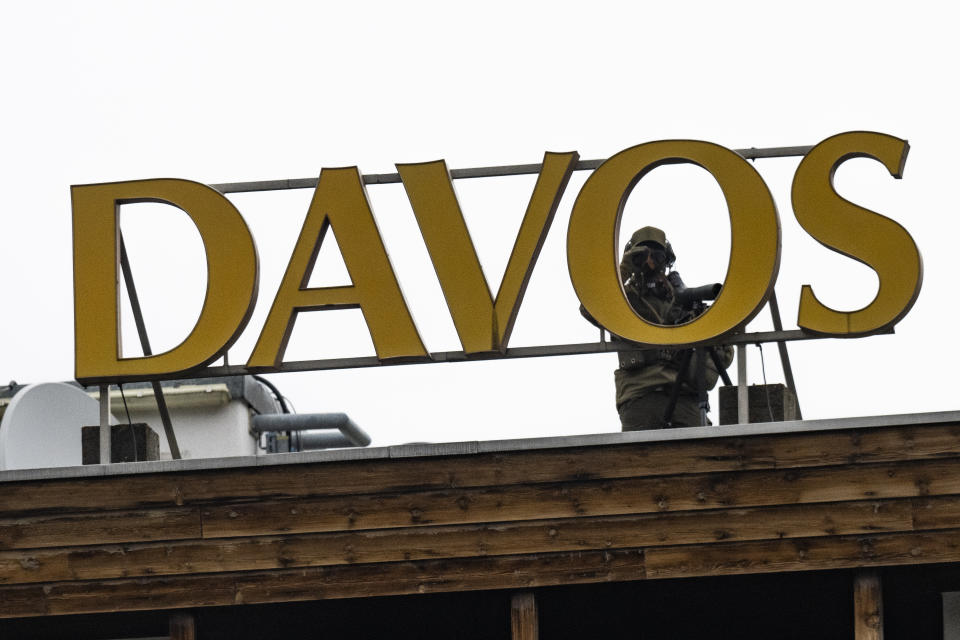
<point x="340" y="201"/>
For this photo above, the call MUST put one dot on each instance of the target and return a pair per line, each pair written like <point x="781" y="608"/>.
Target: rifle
<point x="692" y="297"/>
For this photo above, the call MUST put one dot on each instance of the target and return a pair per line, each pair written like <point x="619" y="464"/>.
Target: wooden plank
<point x="516" y="502"/>
<point x="867" y="605"/>
<point x="809" y="554"/>
<point x="793" y="450"/>
<point x="393" y="545"/>
<point x="354" y="581"/>
<point x="433" y="576"/>
<point x="79" y="494"/>
<point x="595" y="498"/>
<point x="182" y="627"/>
<point x="100" y="528"/>
<point x="540" y="502"/>
<point x="524" y="624"/>
<point x="941" y="513"/>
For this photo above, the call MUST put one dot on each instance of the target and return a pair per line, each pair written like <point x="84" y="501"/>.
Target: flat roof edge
<point x="425" y="450"/>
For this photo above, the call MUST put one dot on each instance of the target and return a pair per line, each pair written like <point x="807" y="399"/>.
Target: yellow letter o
<point x="593" y="242"/>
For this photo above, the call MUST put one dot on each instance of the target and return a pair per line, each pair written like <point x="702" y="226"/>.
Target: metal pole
<point x="743" y="400"/>
<point x="147" y="351"/>
<point x="477" y="172"/>
<point x="360" y="362"/>
<point x="784" y="355"/>
<point x="106" y="456"/>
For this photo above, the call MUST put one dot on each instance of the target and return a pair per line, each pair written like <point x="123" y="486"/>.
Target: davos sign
<point x="483" y="321"/>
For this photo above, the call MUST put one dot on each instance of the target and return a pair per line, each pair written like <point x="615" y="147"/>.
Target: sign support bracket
<point x="147" y="351"/>
<point x="782" y="346"/>
<point x="106" y="446"/>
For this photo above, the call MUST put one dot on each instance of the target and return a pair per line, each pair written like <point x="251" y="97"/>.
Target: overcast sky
<point x="230" y="91"/>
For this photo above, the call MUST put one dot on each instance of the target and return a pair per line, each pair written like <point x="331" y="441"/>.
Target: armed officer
<point x="646" y="378"/>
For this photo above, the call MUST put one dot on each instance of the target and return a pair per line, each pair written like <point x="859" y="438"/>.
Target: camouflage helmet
<point x="644" y="236"/>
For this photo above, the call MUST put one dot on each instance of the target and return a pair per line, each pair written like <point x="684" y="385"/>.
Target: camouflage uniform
<point x="646" y="377"/>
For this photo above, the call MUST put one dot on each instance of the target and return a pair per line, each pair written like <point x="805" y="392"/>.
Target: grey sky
<point x="229" y="91"/>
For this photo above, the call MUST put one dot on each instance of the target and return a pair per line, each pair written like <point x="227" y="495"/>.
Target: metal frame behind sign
<point x="606" y="343"/>
<point x="752" y="153"/>
<point x="887" y="149"/>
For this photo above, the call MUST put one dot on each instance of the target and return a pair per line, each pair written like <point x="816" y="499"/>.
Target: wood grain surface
<point x="633" y="511"/>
